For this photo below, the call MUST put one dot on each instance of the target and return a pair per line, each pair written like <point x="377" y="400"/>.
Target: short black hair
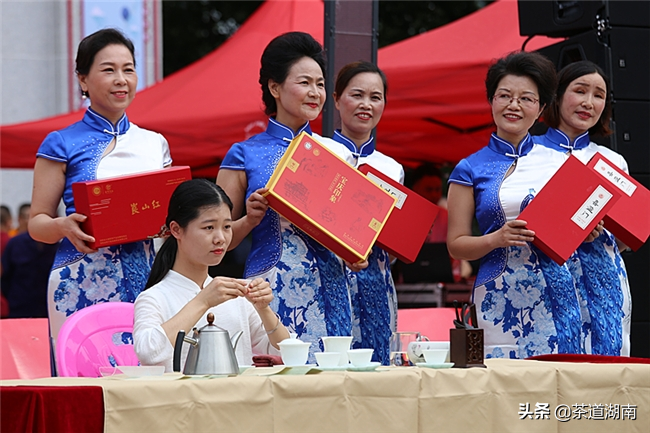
<point x="94" y="43"/>
<point x="350" y="70"/>
<point x="523" y="64"/>
<point x="5" y="214"/>
<point x="280" y="55"/>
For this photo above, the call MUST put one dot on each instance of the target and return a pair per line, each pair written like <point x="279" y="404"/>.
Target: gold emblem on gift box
<point x="97" y="190"/>
<point x="293" y="165"/>
<point x="375" y="225"/>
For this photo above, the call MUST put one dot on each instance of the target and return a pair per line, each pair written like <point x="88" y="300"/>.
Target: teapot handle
<point x="180" y="337"/>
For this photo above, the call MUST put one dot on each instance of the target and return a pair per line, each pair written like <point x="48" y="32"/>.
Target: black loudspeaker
<point x="557" y="18"/>
<point x="638" y="268"/>
<point x="568" y="18"/>
<point x="632" y="135"/>
<point x="622" y="52"/>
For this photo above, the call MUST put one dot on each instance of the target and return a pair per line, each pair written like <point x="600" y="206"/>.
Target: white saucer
<point x="370" y="367"/>
<point x="441" y="365"/>
<point x="335" y="368"/>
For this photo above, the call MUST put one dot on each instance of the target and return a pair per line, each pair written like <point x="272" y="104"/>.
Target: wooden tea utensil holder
<point x="466" y="347"/>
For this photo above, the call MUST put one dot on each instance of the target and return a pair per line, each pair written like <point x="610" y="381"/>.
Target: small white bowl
<point x="435" y="356"/>
<point x="360" y="357"/>
<point x="339" y="344"/>
<point x="328" y="359"/>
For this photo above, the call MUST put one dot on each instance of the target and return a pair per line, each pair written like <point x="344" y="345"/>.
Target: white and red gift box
<point x="410" y="221"/>
<point x="629" y="219"/>
<point x="568" y="208"/>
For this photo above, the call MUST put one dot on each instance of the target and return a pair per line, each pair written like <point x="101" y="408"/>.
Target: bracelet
<point x="276" y="326"/>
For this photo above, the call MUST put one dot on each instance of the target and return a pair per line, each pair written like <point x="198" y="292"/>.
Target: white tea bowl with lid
<point x="293" y="351"/>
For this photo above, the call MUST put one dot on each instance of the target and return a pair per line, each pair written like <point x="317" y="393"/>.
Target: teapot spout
<point x="235" y="339"/>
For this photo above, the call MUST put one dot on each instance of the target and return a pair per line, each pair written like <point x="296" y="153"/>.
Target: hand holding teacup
<point x="259" y="293"/>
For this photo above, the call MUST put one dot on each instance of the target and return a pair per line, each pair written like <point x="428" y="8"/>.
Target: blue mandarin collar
<point x="278" y="130"/>
<point x="501" y="146"/>
<point x="561" y="141"/>
<point x="366" y="148"/>
<point x="100" y="123"/>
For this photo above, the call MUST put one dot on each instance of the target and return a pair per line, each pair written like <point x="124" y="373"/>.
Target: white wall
<point x="38" y="40"/>
<point x="33" y="76"/>
<point x="35" y="64"/>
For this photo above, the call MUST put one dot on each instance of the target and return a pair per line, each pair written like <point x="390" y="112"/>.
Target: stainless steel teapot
<point x="212" y="351"/>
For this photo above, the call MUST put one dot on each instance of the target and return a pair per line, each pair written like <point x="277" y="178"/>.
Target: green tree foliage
<point x="192" y="29"/>
<point x="399" y="20"/>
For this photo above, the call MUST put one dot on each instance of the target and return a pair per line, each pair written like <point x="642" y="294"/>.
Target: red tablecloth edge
<point x="58" y="409"/>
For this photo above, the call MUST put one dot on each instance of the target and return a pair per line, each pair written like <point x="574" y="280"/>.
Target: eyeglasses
<point x="504" y="99"/>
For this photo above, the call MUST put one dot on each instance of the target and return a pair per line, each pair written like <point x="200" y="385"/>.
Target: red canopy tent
<point x="202" y="109"/>
<point x="436" y="107"/>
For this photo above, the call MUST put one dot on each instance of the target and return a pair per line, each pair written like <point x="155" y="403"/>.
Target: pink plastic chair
<point x="97" y="336"/>
<point x="431" y="322"/>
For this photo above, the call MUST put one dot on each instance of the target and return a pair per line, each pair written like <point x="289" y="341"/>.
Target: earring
<point x="84" y="95"/>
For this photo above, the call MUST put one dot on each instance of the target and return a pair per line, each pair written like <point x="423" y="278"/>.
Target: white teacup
<point x="328" y="359"/>
<point x="339" y="344"/>
<point x="435" y="356"/>
<point x="416" y="349"/>
<point x="360" y="357"/>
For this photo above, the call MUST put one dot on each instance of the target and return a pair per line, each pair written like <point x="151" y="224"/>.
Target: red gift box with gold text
<point x="328" y="199"/>
<point x="410" y="221"/>
<point x="127" y="208"/>
<point x="629" y="219"/>
<point x="568" y="208"/>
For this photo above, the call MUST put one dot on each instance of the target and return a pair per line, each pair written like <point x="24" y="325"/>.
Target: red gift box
<point x="410" y="221"/>
<point x="629" y="219"/>
<point x="328" y="199"/>
<point x="127" y="208"/>
<point x="568" y="208"/>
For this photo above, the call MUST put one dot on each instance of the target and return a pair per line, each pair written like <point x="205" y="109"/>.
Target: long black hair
<point x="566" y="76"/>
<point x="185" y="205"/>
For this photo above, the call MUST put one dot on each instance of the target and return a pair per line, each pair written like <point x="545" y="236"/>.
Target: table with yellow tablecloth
<point x="507" y="396"/>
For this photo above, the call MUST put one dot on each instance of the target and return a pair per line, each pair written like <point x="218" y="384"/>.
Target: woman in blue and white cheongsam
<point x="309" y="282"/>
<point x="103" y="144"/>
<point x="582" y="107"/>
<point x="526" y="303"/>
<point x="360" y="97"/>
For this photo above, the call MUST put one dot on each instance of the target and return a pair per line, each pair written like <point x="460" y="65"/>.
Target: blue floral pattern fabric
<point x="310" y="289"/>
<point x="374" y="306"/>
<point x="116" y="273"/>
<point x="309" y="282"/>
<point x="527" y="303"/>
<point x="372" y="290"/>
<point x="597" y="267"/>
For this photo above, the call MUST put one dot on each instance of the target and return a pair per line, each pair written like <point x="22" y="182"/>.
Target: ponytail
<point x="163" y="262"/>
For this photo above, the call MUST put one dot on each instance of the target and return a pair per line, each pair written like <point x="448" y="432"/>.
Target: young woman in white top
<point x="180" y="293"/>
